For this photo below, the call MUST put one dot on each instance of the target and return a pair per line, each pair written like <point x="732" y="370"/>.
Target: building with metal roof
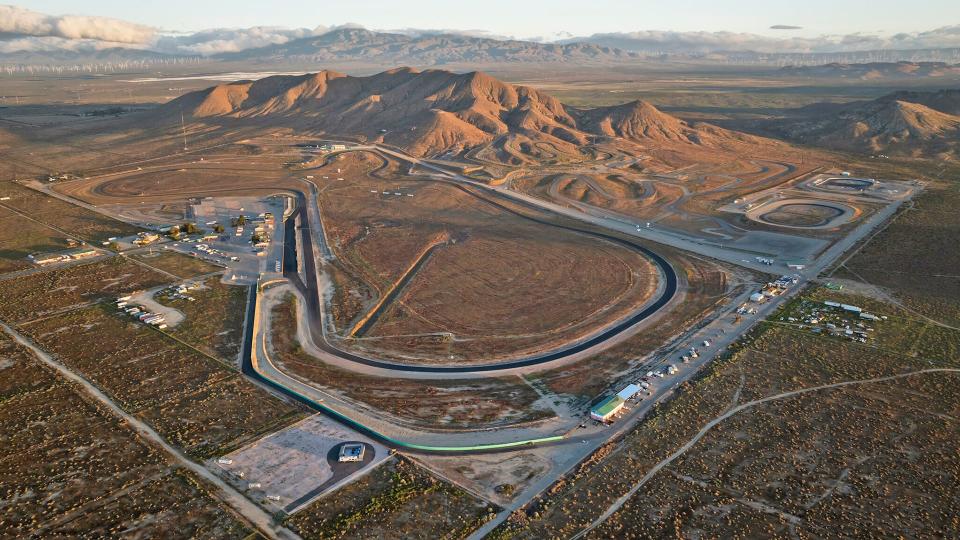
<point x="606" y="409"/>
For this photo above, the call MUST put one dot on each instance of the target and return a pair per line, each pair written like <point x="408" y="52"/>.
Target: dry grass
<point x="171" y="506"/>
<point x="797" y="468"/>
<point x="178" y="264"/>
<point x="449" y="403"/>
<point x="822" y="464"/>
<point x="45" y="293"/>
<point x="71" y="468"/>
<point x="916" y="257"/>
<point x="500" y="285"/>
<point x="192" y="400"/>
<point x="84" y="224"/>
<point x="397" y="500"/>
<point x="705" y="285"/>
<point x="20" y="237"/>
<point x="214" y="320"/>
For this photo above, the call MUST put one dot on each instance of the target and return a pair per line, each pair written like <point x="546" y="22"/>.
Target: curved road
<point x="310" y="290"/>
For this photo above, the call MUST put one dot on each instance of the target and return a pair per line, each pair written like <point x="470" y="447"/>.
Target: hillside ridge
<point x="436" y="111"/>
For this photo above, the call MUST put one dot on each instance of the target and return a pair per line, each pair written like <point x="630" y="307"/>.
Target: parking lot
<point x="234" y="246"/>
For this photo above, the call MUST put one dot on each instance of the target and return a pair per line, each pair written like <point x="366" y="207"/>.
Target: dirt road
<point x="224" y="492"/>
<point x="736" y="410"/>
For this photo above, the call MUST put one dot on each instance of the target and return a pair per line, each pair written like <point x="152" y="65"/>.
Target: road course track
<point x="246" y="367"/>
<point x="310" y="291"/>
<point x="294" y="261"/>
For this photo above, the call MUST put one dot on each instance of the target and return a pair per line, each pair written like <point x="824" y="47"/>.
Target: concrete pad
<point x="779" y="245"/>
<point x="297" y="464"/>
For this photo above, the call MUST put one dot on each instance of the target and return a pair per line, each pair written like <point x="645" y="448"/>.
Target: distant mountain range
<point x="358" y="44"/>
<point x="877" y="70"/>
<point x="340" y="46"/>
<point x="436" y="112"/>
<point x="918" y="124"/>
<point x="345" y="45"/>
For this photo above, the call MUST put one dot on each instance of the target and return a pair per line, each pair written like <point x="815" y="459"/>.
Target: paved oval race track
<point x="310" y="292"/>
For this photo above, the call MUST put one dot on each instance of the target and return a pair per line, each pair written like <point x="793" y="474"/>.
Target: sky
<point x="209" y="27"/>
<point x="531" y="18"/>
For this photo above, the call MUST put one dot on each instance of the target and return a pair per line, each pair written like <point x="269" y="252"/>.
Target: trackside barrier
<point x="253" y="323"/>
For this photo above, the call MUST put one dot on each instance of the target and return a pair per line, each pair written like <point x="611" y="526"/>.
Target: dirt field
<point x="498" y="477"/>
<point x="214" y="320"/>
<point x="915" y="259"/>
<point x="180" y="265"/>
<point x="84" y="224"/>
<point x="685" y="196"/>
<point x="497" y="286"/>
<point x="46" y="293"/>
<point x="706" y="285"/>
<point x="70" y="468"/>
<point x="802" y="215"/>
<point x="826" y="463"/>
<point x="193" y="401"/>
<point x="233" y="169"/>
<point x="449" y="404"/>
<point x="396" y="500"/>
<point x="20" y="236"/>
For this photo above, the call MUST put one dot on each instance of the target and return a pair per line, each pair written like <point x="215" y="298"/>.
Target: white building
<point x="628" y="392"/>
<point x="607" y="409"/>
<point x="351" y="452"/>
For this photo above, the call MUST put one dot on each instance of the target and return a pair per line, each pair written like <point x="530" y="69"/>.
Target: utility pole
<point x="183" y="130"/>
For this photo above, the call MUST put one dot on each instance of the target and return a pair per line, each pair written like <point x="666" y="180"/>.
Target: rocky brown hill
<point x="918" y="124"/>
<point x="434" y="111"/>
<point x="641" y="121"/>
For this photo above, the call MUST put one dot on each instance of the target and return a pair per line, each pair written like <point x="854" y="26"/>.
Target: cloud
<point x="656" y="41"/>
<point x="17" y="23"/>
<point x="222" y="40"/>
<point x="551" y="37"/>
<point x="226" y="40"/>
<point x="26" y="30"/>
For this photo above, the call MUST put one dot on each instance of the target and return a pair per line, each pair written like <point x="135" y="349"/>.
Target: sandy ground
<point x="293" y="462"/>
<point x="495" y="477"/>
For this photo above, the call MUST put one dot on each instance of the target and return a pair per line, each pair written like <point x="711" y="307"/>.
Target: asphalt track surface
<point x="310" y="291"/>
<point x="248" y="370"/>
